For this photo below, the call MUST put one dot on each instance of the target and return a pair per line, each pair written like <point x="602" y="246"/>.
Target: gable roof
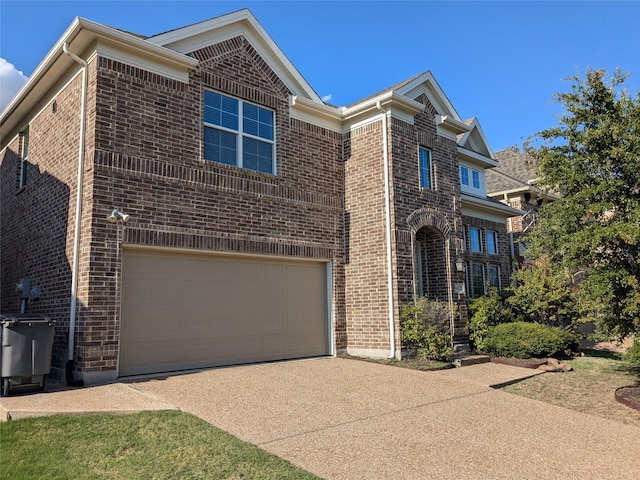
<point x="215" y="30"/>
<point x="514" y="172"/>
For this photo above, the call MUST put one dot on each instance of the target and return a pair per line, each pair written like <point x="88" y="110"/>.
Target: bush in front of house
<point x="486" y="312"/>
<point x="632" y="355"/>
<point x="425" y="327"/>
<point x="526" y="340"/>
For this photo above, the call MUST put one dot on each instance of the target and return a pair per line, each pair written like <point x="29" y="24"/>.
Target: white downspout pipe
<point x="387" y="201"/>
<point x="78" y="223"/>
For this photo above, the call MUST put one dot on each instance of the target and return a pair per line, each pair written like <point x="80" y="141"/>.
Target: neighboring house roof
<point x="515" y="173"/>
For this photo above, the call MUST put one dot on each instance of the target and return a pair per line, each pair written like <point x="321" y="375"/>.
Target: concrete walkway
<point x="347" y="419"/>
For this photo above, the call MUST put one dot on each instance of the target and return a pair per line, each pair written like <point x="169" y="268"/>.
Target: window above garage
<point x="238" y="133"/>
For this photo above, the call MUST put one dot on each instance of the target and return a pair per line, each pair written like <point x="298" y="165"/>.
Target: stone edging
<point x="624" y="401"/>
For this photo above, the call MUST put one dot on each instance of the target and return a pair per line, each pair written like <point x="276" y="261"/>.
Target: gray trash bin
<point x="25" y="358"/>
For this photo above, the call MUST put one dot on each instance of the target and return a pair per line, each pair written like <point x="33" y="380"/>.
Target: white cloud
<point x="326" y="98"/>
<point x="11" y="79"/>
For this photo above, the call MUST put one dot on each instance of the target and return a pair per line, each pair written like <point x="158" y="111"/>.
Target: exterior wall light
<point x="118" y="216"/>
<point x="460" y="264"/>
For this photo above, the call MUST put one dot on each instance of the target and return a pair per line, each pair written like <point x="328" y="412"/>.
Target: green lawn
<point x="149" y="445"/>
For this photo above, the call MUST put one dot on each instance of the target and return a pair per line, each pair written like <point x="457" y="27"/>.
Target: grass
<point x="589" y="388"/>
<point x="148" y="445"/>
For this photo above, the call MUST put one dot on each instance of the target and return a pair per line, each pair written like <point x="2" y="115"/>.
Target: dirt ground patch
<point x="590" y="388"/>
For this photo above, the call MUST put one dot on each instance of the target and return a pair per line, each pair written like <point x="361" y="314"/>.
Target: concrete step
<point x="471" y="360"/>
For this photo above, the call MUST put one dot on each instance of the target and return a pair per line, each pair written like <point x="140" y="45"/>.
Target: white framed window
<point x="426" y="169"/>
<point x="494" y="276"/>
<point x="24" y="158"/>
<point x="492" y="242"/>
<point x="238" y="133"/>
<point x="475" y="239"/>
<point x="472" y="181"/>
<point x="476" y="280"/>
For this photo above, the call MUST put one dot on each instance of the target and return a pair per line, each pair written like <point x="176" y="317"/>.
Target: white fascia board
<point x="322" y="115"/>
<point x="226" y="27"/>
<point x="476" y="130"/>
<point x="135" y="58"/>
<point x="427" y="84"/>
<point x="396" y="105"/>
<point x="83" y="37"/>
<point x="476" y="158"/>
<point x="450" y="127"/>
<point x="476" y="206"/>
<point x="524" y="189"/>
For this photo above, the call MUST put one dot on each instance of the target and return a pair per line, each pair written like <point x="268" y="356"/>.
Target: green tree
<point x="543" y="294"/>
<point x="593" y="159"/>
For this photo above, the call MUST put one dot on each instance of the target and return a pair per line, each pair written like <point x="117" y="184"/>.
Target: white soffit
<point x="487" y="209"/>
<point x="475" y="140"/>
<point x="84" y="38"/>
<point x="426" y="84"/>
<point x="194" y="37"/>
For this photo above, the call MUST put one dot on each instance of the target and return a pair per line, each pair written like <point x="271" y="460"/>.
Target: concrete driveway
<point x="346" y="419"/>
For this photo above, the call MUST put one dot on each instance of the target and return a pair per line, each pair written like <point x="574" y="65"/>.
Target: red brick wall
<point x="148" y="162"/>
<point x="38" y="220"/>
<point x="503" y="258"/>
<point x="432" y="209"/>
<point x="366" y="287"/>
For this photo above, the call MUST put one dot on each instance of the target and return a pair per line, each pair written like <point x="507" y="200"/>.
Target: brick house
<point x="513" y="182"/>
<point x="226" y="213"/>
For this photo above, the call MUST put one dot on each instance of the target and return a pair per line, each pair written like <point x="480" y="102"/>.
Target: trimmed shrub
<point x="526" y="340"/>
<point x="633" y="354"/>
<point x="486" y="312"/>
<point x="425" y="326"/>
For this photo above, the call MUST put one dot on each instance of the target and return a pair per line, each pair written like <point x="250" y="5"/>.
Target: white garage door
<point x="182" y="311"/>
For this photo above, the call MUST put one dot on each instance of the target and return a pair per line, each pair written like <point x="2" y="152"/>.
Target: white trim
<point x="225" y="27"/>
<point x="331" y="317"/>
<point x="321" y="115"/>
<point x="138" y="59"/>
<point x="427" y="84"/>
<point x="473" y="157"/>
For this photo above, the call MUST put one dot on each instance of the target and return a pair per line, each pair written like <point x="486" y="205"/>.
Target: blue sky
<point x="498" y="61"/>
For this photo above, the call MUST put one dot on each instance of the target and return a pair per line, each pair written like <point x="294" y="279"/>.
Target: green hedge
<point x="525" y="340"/>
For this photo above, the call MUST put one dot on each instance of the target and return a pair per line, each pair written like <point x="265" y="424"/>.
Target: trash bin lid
<point x="14" y="318"/>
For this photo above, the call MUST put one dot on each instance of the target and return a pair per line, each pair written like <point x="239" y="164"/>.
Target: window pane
<point x="257" y="121"/>
<point x="219" y="146"/>
<point x="477" y="279"/>
<point x="257" y="155"/>
<point x="425" y="169"/>
<point x="474" y="234"/>
<point x="491" y="242"/>
<point x="220" y="110"/>
<point x="464" y="175"/>
<point x="476" y="179"/>
<point x="494" y="276"/>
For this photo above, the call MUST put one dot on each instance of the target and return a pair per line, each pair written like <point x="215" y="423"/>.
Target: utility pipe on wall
<point x="387" y="201"/>
<point x="78" y="223"/>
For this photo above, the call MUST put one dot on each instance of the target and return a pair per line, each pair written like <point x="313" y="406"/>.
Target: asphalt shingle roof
<point x="513" y="172"/>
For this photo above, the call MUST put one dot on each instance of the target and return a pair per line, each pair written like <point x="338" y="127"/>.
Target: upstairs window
<point x="426" y="169"/>
<point x="475" y="239"/>
<point x="472" y="181"/>
<point x="238" y="133"/>
<point x="24" y="157"/>
<point x="492" y="242"/>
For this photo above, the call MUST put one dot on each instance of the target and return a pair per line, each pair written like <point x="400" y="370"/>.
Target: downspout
<point x="387" y="200"/>
<point x="78" y="224"/>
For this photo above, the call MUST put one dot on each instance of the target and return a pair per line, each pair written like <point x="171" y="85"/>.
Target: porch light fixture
<point x="118" y="216"/>
<point x="460" y="264"/>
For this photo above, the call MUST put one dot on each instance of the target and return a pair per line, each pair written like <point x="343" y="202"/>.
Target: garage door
<point x="184" y="311"/>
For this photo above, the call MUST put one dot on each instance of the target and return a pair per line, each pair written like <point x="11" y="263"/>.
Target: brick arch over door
<point x="426" y="217"/>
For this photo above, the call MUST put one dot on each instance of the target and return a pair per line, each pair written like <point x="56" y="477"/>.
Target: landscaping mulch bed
<point x="629" y="396"/>
<point x="533" y="363"/>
